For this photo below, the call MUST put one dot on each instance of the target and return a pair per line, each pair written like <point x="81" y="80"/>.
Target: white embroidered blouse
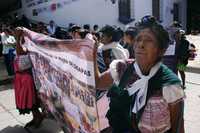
<point x="156" y="116"/>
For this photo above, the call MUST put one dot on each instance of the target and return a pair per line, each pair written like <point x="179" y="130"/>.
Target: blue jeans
<point x="8" y="60"/>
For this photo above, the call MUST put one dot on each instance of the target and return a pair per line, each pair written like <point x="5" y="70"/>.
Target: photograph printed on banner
<point x="65" y="97"/>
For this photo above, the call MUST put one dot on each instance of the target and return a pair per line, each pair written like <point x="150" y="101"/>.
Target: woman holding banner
<point x="25" y="92"/>
<point x="145" y="97"/>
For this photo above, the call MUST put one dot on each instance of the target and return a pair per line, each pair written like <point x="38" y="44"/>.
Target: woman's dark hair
<point x="162" y="36"/>
<point x="110" y="31"/>
<point x="95" y="27"/>
<point x="83" y="33"/>
<point x="97" y="35"/>
<point x="86" y="27"/>
<point x="131" y="31"/>
<point x="74" y="28"/>
<point x="41" y="23"/>
<point x="119" y="34"/>
<point x="58" y="33"/>
<point x="70" y="25"/>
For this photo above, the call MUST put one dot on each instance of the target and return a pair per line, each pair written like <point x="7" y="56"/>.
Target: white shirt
<point x="51" y="30"/>
<point x="118" y="51"/>
<point x="8" y="42"/>
<point x="171" y="48"/>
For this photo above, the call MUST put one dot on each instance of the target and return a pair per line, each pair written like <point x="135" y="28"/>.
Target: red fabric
<point x="25" y="96"/>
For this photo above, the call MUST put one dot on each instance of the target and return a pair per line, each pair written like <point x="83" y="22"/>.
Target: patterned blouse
<point x="156" y="115"/>
<point x="22" y="63"/>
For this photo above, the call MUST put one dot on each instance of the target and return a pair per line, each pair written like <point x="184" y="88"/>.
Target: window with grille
<point x="125" y="11"/>
<point x="176" y="12"/>
<point x="157" y="7"/>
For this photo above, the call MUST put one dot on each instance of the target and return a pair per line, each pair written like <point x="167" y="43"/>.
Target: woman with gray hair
<point x="145" y="96"/>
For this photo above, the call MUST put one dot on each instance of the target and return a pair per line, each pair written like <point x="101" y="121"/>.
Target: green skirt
<point x="181" y="67"/>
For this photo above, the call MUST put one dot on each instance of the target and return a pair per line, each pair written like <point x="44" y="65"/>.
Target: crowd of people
<point x="137" y="68"/>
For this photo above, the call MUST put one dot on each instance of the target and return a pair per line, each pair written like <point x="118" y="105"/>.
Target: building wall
<point x="80" y="12"/>
<point x="167" y="12"/>
<point x="142" y="8"/>
<point x="183" y="13"/>
<point x="92" y="12"/>
<point x="99" y="12"/>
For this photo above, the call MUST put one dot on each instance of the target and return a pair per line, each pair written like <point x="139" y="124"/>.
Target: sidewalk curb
<point x="6" y="81"/>
<point x="193" y="69"/>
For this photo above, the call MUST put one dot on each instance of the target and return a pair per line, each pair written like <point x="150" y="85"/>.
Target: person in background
<point x="51" y="28"/>
<point x="192" y="52"/>
<point x="129" y="40"/>
<point x="69" y="33"/>
<point x="86" y="27"/>
<point x="8" y="41"/>
<point x="95" y="28"/>
<point x="110" y="47"/>
<point x="183" y="56"/>
<point x="25" y="91"/>
<point x="170" y="58"/>
<point x="74" y="31"/>
<point x="58" y="33"/>
<point x="119" y="34"/>
<point x="41" y="28"/>
<point x="78" y="33"/>
<point x="70" y="25"/>
<point x="100" y="63"/>
<point x="82" y="34"/>
<point x="176" y="24"/>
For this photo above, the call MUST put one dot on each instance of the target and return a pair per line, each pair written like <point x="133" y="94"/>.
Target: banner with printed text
<point x="64" y="76"/>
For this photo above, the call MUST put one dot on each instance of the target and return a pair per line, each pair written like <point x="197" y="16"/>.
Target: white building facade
<point x="102" y="12"/>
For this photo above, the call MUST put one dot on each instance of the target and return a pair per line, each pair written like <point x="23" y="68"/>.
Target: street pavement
<point x="192" y="102"/>
<point x="12" y="122"/>
<point x="194" y="66"/>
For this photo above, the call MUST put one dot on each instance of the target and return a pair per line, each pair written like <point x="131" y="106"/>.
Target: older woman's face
<point x="146" y="48"/>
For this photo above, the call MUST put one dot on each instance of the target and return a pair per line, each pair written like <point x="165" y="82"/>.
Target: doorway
<point x="193" y="15"/>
